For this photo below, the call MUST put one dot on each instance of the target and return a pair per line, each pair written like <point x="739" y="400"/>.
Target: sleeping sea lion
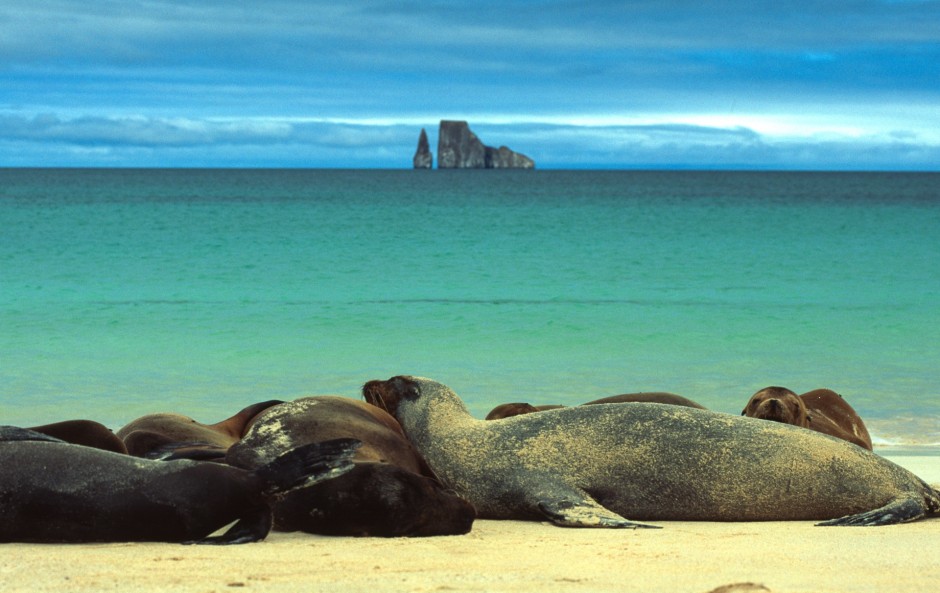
<point x="822" y="410"/>
<point x="516" y="409"/>
<point x="390" y="493"/>
<point x="174" y="436"/>
<point x="652" y="397"/>
<point x="54" y="491"/>
<point x="595" y="465"/>
<point x="83" y="432"/>
<point x="649" y="397"/>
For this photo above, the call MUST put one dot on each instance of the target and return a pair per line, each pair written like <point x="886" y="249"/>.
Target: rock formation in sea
<point x="503" y="158"/>
<point x="423" y="158"/>
<point x="459" y="148"/>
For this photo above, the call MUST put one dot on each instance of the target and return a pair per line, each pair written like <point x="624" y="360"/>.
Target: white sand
<point x="683" y="557"/>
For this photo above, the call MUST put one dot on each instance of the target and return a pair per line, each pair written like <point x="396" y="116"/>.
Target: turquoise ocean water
<point x="124" y="292"/>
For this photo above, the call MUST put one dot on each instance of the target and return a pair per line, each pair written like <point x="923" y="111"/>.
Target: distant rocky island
<point x="459" y="148"/>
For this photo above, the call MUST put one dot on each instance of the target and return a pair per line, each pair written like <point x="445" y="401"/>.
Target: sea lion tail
<point x="306" y="465"/>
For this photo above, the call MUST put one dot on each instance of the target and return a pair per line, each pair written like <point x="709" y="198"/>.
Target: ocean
<point x="125" y="292"/>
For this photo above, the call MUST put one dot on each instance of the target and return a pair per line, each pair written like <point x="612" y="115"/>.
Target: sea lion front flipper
<point x="899" y="510"/>
<point x="15" y="433"/>
<point x="584" y="512"/>
<point x="252" y="527"/>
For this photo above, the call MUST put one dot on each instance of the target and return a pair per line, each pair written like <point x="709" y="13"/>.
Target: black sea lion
<point x="174" y="436"/>
<point x="822" y="410"/>
<point x="52" y="491"/>
<point x="83" y="432"/>
<point x="651" y="397"/>
<point x="594" y="465"/>
<point x="377" y="500"/>
<point x="390" y="493"/>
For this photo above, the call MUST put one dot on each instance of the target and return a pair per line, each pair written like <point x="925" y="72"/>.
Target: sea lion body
<point x="596" y="465"/>
<point x="83" y="432"/>
<point x="655" y="397"/>
<point x="648" y="397"/>
<point x="391" y="492"/>
<point x="821" y="410"/>
<point x="508" y="410"/>
<point x="175" y="436"/>
<point x="318" y="418"/>
<point x="830" y="414"/>
<point x="53" y="491"/>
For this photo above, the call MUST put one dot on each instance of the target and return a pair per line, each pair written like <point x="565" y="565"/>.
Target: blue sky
<point x="620" y="84"/>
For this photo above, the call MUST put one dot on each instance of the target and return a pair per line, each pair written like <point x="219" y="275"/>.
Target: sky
<point x="736" y="84"/>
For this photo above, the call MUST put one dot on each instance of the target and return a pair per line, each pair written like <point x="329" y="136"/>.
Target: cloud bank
<point x="596" y="83"/>
<point x="178" y="142"/>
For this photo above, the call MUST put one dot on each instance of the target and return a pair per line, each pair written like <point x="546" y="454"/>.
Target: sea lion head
<point x="389" y="394"/>
<point x="777" y="404"/>
<point x="376" y="499"/>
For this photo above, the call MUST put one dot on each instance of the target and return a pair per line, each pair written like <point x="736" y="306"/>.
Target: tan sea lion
<point x="54" y="491"/>
<point x="174" y="436"/>
<point x="822" y="410"/>
<point x="595" y="465"/>
<point x="390" y="493"/>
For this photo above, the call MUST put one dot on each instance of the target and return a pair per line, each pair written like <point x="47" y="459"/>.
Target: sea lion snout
<point x="771" y="409"/>
<point x="777" y="404"/>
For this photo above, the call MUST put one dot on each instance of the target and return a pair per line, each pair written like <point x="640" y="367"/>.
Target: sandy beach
<point x="683" y="557"/>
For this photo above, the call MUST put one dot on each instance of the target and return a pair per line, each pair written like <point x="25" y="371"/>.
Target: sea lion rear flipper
<point x="899" y="510"/>
<point x="15" y="433"/>
<point x="584" y="512"/>
<point x="250" y="528"/>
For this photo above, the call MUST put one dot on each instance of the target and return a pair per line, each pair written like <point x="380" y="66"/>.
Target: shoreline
<point x="512" y="556"/>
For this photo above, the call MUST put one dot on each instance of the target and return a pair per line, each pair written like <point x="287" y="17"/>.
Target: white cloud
<point x="692" y="141"/>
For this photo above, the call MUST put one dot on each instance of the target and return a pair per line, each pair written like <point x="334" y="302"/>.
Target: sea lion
<point x="390" y="493"/>
<point x="83" y="432"/>
<point x="649" y="397"/>
<point x="174" y="436"/>
<point x="653" y="397"/>
<point x="54" y="491"/>
<point x="595" y="465"/>
<point x="516" y="409"/>
<point x="375" y="500"/>
<point x="822" y="410"/>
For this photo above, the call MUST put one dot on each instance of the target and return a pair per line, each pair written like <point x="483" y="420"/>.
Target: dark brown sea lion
<point x="652" y="397"/>
<point x="516" y="409"/>
<point x="822" y="410"/>
<point x="595" y="465"/>
<point x="649" y="397"/>
<point x="390" y="493"/>
<point x="167" y="435"/>
<point x="83" y="432"/>
<point x="54" y="491"/>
